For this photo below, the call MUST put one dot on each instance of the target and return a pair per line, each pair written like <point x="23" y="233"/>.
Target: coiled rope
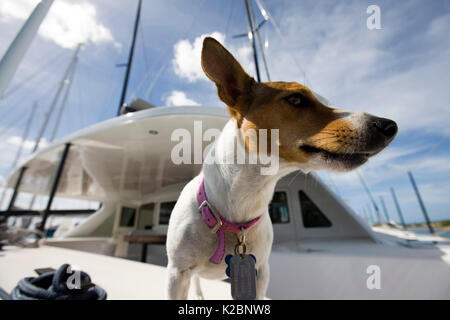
<point x="62" y="284"/>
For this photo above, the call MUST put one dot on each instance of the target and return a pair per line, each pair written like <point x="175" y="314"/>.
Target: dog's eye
<point x="295" y="99"/>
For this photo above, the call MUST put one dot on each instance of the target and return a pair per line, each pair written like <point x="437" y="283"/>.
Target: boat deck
<point x="122" y="279"/>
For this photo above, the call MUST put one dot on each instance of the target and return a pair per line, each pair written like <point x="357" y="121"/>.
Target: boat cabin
<point x="125" y="163"/>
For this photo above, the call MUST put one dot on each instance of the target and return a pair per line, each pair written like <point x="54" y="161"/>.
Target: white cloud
<point x="187" y="57"/>
<point x="396" y="153"/>
<point x="17" y="141"/>
<point x="28" y="145"/>
<point x="9" y="148"/>
<point x="18" y="9"/>
<point x="439" y="27"/>
<point x="186" y="62"/>
<point x="179" y="98"/>
<point x="67" y="23"/>
<point x="426" y="166"/>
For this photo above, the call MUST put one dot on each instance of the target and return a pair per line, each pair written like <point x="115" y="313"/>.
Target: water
<point x="446" y="234"/>
<point x="426" y="232"/>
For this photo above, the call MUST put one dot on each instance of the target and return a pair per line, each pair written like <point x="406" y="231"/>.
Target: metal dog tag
<point x="243" y="277"/>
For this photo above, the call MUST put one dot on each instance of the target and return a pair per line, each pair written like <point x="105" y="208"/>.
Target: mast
<point x="386" y="214"/>
<point x="63" y="103"/>
<point x="252" y="34"/>
<point x="130" y="59"/>
<point x="366" y="188"/>
<point x="422" y="205"/>
<point x="258" y="39"/>
<point x="399" y="211"/>
<point x="14" y="55"/>
<point x="370" y="210"/>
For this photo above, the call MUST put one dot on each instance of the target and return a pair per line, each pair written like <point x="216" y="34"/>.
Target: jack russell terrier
<point x="311" y="136"/>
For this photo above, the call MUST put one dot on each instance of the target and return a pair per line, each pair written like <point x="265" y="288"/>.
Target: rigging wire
<point x="366" y="187"/>
<point x="251" y="37"/>
<point x="111" y="87"/>
<point x="46" y="89"/>
<point x="93" y="65"/>
<point x="432" y="149"/>
<point x="19" y="151"/>
<point x="256" y="34"/>
<point x="144" y="48"/>
<point x="55" y="98"/>
<point x="265" y="12"/>
<point x="80" y="102"/>
<point x="16" y="121"/>
<point x="107" y="100"/>
<point x="32" y="75"/>
<point x="149" y="71"/>
<point x="162" y="57"/>
<point x="8" y="112"/>
<point x="155" y="79"/>
<point x="68" y="86"/>
<point x="133" y="95"/>
<point x="229" y="16"/>
<point x="146" y="77"/>
<point x="166" y="64"/>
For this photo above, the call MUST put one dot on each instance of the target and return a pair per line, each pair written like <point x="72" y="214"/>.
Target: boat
<point x="322" y="249"/>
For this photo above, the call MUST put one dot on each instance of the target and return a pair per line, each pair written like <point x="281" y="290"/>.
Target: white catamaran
<point x="322" y="249"/>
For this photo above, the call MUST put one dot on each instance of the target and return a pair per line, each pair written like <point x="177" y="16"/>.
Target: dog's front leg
<point x="178" y="283"/>
<point x="262" y="280"/>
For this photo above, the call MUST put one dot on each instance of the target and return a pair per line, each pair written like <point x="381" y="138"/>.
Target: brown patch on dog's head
<point x="308" y="130"/>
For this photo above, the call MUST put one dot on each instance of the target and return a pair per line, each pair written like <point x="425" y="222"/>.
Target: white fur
<point x="240" y="193"/>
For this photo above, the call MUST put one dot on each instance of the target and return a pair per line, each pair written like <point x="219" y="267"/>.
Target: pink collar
<point x="217" y="223"/>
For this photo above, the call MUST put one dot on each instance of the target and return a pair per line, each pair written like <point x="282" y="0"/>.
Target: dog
<point x="311" y="136"/>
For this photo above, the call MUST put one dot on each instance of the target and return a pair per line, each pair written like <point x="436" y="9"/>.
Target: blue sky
<point x="400" y="72"/>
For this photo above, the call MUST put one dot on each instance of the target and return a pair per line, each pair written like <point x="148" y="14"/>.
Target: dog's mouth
<point x="345" y="161"/>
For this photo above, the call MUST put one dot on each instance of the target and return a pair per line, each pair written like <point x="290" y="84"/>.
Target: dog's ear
<point x="230" y="78"/>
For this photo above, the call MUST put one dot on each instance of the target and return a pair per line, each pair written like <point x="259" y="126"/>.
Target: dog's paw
<point x="198" y="296"/>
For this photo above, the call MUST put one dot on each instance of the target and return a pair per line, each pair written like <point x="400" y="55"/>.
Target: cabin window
<point x="127" y="217"/>
<point x="311" y="214"/>
<point x="165" y="210"/>
<point x="145" y="220"/>
<point x="278" y="208"/>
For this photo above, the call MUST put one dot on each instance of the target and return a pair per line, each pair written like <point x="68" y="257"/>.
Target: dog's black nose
<point x="385" y="127"/>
